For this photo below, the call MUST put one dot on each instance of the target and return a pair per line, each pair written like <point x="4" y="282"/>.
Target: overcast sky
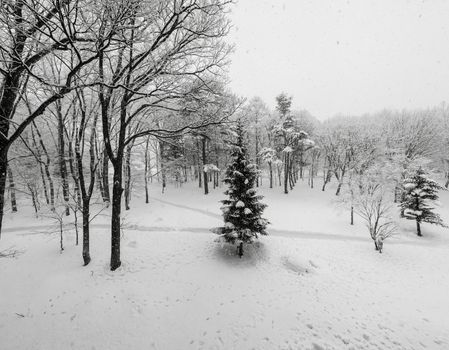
<point x="342" y="56"/>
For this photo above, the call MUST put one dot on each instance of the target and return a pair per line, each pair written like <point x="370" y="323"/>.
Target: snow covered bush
<point x="420" y="198"/>
<point x="370" y="201"/>
<point x="242" y="210"/>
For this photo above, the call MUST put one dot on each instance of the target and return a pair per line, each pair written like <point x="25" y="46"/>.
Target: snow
<point x="210" y="168"/>
<point x="409" y="185"/>
<point x="412" y="212"/>
<point x="314" y="283"/>
<point x="239" y="204"/>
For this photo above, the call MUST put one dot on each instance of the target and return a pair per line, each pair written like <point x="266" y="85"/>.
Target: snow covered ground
<point x="314" y="283"/>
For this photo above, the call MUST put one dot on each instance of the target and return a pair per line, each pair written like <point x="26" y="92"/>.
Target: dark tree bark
<point x="327" y="179"/>
<point x="162" y="165"/>
<point x="105" y="179"/>
<point x="270" y="166"/>
<point x="311" y="175"/>
<point x="286" y="172"/>
<point x="418" y="228"/>
<point x="72" y="162"/>
<point x="11" y="85"/>
<point x="279" y="176"/>
<point x="61" y="156"/>
<point x="117" y="191"/>
<point x="147" y="168"/>
<point x="86" y="190"/>
<point x="3" y="170"/>
<point x="38" y="157"/>
<point x="46" y="166"/>
<point x="200" y="173"/>
<point x="33" y="198"/>
<point x="128" y="175"/>
<point x="352" y="215"/>
<point x="240" y="249"/>
<point x="206" y="186"/>
<point x="12" y="190"/>
<point x="337" y="193"/>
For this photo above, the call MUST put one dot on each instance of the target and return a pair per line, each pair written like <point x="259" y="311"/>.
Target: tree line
<point x="100" y="97"/>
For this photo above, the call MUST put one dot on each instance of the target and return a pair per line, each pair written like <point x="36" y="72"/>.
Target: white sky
<point x="337" y="56"/>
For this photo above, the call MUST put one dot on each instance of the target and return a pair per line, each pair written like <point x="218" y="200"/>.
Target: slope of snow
<point x="314" y="283"/>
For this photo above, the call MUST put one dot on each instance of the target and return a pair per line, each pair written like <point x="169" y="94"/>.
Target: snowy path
<point x="43" y="229"/>
<point x="196" y="210"/>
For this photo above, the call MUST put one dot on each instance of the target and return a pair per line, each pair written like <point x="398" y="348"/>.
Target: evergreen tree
<point x="242" y="211"/>
<point x="420" y="196"/>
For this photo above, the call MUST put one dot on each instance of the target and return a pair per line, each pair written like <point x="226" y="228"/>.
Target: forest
<point x="112" y="110"/>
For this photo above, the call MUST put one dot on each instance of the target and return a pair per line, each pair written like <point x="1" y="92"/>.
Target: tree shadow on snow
<point x="253" y="254"/>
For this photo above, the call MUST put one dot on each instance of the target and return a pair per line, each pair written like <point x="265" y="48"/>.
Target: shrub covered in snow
<point x="242" y="210"/>
<point x="370" y="200"/>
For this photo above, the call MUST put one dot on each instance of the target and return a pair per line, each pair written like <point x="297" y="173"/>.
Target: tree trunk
<point x="61" y="156"/>
<point x="128" y="176"/>
<point x="44" y="183"/>
<point x="12" y="190"/>
<point x="147" y="163"/>
<point x="9" y="90"/>
<point x="418" y="228"/>
<point x="312" y="183"/>
<point x="75" y="223"/>
<point x="338" y="189"/>
<point x="240" y="249"/>
<point x="86" y="194"/>
<point x="74" y="173"/>
<point x="217" y="164"/>
<point x="200" y="173"/>
<point x="162" y="165"/>
<point x="270" y="166"/>
<point x="291" y="180"/>
<point x="99" y="179"/>
<point x="61" y="232"/>
<point x="279" y="176"/>
<point x="352" y="215"/>
<point x="3" y="170"/>
<point x="206" y="186"/>
<point x="105" y="180"/>
<point x="286" y="172"/>
<point x="86" y="233"/>
<point x="47" y="164"/>
<point x="117" y="191"/>
<point x="41" y="165"/>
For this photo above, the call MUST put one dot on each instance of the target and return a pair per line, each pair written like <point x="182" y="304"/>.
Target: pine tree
<point x="420" y="196"/>
<point x="242" y="210"/>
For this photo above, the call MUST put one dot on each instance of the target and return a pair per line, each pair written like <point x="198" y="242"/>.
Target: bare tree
<point x="371" y="203"/>
<point x="153" y="68"/>
<point x="30" y="32"/>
